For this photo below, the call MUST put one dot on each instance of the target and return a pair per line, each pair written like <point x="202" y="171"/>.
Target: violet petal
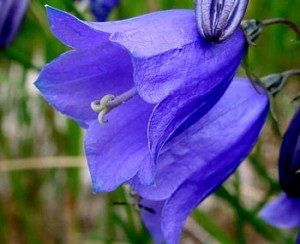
<point x="116" y="150"/>
<point x="161" y="62"/>
<point x="200" y="144"/>
<point x="72" y="81"/>
<point x="200" y="94"/>
<point x="153" y="220"/>
<point x="74" y="32"/>
<point x="283" y="212"/>
<point x="232" y="130"/>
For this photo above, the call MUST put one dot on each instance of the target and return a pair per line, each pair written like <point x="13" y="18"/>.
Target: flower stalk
<point x="252" y="28"/>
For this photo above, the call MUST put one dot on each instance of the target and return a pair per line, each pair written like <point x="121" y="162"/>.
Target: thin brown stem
<point x="291" y="72"/>
<point x="287" y="22"/>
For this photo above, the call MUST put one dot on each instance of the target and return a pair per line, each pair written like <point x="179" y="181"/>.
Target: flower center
<point x="109" y="101"/>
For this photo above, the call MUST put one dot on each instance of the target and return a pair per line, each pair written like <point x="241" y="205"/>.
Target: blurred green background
<point x="45" y="191"/>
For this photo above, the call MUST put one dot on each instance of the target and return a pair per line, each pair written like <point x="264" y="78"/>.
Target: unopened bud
<point x="274" y="82"/>
<point x="217" y="20"/>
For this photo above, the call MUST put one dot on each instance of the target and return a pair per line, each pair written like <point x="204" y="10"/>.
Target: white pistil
<point x="108" y="102"/>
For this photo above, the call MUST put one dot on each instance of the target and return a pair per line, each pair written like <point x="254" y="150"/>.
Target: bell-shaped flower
<point x="158" y="63"/>
<point x="12" y="14"/>
<point x="218" y="19"/>
<point x="200" y="159"/>
<point x="284" y="212"/>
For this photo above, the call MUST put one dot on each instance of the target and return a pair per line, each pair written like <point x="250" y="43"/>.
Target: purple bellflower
<point x="218" y="19"/>
<point x="197" y="162"/>
<point x="158" y="63"/>
<point x="102" y="8"/>
<point x="12" y="14"/>
<point x="284" y="212"/>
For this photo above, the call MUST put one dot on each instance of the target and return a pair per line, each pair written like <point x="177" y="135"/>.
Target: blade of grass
<point x="206" y="223"/>
<point x="247" y="215"/>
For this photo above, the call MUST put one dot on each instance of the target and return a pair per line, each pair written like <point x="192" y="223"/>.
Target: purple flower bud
<point x="102" y="8"/>
<point x="289" y="159"/>
<point x="218" y="19"/>
<point x="12" y="13"/>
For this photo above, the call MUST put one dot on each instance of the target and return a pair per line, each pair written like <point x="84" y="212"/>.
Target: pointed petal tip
<point x="149" y="180"/>
<point x="147" y="173"/>
<point x="72" y="31"/>
<point x="50" y="9"/>
<point x="56" y="15"/>
<point x="102" y="186"/>
<point x="97" y="187"/>
<point x="54" y="12"/>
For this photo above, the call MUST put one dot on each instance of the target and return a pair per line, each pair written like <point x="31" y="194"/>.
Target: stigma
<point x="109" y="102"/>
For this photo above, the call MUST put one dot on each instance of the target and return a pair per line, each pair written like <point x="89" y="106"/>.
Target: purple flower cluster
<point x="179" y="124"/>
